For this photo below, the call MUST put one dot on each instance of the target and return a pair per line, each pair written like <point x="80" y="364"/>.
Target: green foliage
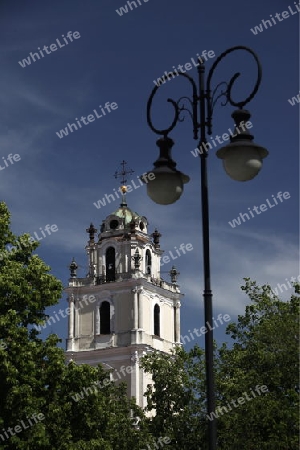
<point x="100" y="419"/>
<point x="26" y="289"/>
<point x="34" y="377"/>
<point x="178" y="396"/>
<point x="264" y="353"/>
<point x="83" y="410"/>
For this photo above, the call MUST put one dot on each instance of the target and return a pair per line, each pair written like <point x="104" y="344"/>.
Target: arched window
<point x="110" y="264"/>
<point x="148" y="262"/>
<point x="105" y="318"/>
<point x="156" y="320"/>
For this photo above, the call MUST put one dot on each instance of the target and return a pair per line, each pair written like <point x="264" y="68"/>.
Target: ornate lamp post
<point x="242" y="160"/>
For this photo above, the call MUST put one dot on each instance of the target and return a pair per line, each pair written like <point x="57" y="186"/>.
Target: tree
<point x="256" y="382"/>
<point x="265" y="353"/>
<point x="96" y="412"/>
<point x="26" y="289"/>
<point x="45" y="403"/>
<point x="177" y="396"/>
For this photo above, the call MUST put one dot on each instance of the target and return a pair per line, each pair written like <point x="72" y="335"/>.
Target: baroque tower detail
<point x="123" y="308"/>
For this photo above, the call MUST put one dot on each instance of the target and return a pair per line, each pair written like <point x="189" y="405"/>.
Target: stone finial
<point x="156" y="235"/>
<point x="91" y="230"/>
<point x="173" y="274"/>
<point x="137" y="258"/>
<point x="73" y="268"/>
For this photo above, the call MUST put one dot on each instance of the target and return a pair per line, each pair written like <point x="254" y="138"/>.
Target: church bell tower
<point x="123" y="308"/>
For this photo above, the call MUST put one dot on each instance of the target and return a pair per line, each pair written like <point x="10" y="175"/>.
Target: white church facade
<point x="123" y="308"/>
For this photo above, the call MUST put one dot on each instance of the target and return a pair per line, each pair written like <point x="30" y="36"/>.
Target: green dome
<point x="126" y="213"/>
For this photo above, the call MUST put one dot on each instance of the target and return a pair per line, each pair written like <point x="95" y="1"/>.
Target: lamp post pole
<point x="167" y="186"/>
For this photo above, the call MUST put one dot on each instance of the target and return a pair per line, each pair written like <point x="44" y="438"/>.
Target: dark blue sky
<point x="116" y="60"/>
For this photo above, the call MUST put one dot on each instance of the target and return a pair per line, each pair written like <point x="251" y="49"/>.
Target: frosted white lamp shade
<point x="167" y="186"/>
<point x="242" y="159"/>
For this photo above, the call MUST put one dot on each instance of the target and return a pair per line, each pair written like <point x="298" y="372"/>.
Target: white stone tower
<point x="123" y="308"/>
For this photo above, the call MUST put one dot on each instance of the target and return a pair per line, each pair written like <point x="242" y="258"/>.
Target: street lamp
<point x="242" y="160"/>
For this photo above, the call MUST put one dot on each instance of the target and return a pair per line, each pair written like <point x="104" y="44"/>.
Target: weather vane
<point x="122" y="174"/>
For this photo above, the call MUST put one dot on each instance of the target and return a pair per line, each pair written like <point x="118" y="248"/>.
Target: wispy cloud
<point x="264" y="258"/>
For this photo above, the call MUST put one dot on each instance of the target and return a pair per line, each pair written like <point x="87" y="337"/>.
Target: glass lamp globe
<point x="167" y="186"/>
<point x="242" y="159"/>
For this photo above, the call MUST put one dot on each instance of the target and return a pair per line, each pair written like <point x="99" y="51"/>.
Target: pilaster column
<point x="177" y="321"/>
<point x="140" y="303"/>
<point x="135" y="379"/>
<point x="76" y="320"/>
<point x="71" y="317"/>
<point x="97" y="320"/>
<point x="135" y="308"/>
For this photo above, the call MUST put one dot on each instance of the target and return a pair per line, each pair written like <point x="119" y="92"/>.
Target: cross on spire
<point x="122" y="174"/>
